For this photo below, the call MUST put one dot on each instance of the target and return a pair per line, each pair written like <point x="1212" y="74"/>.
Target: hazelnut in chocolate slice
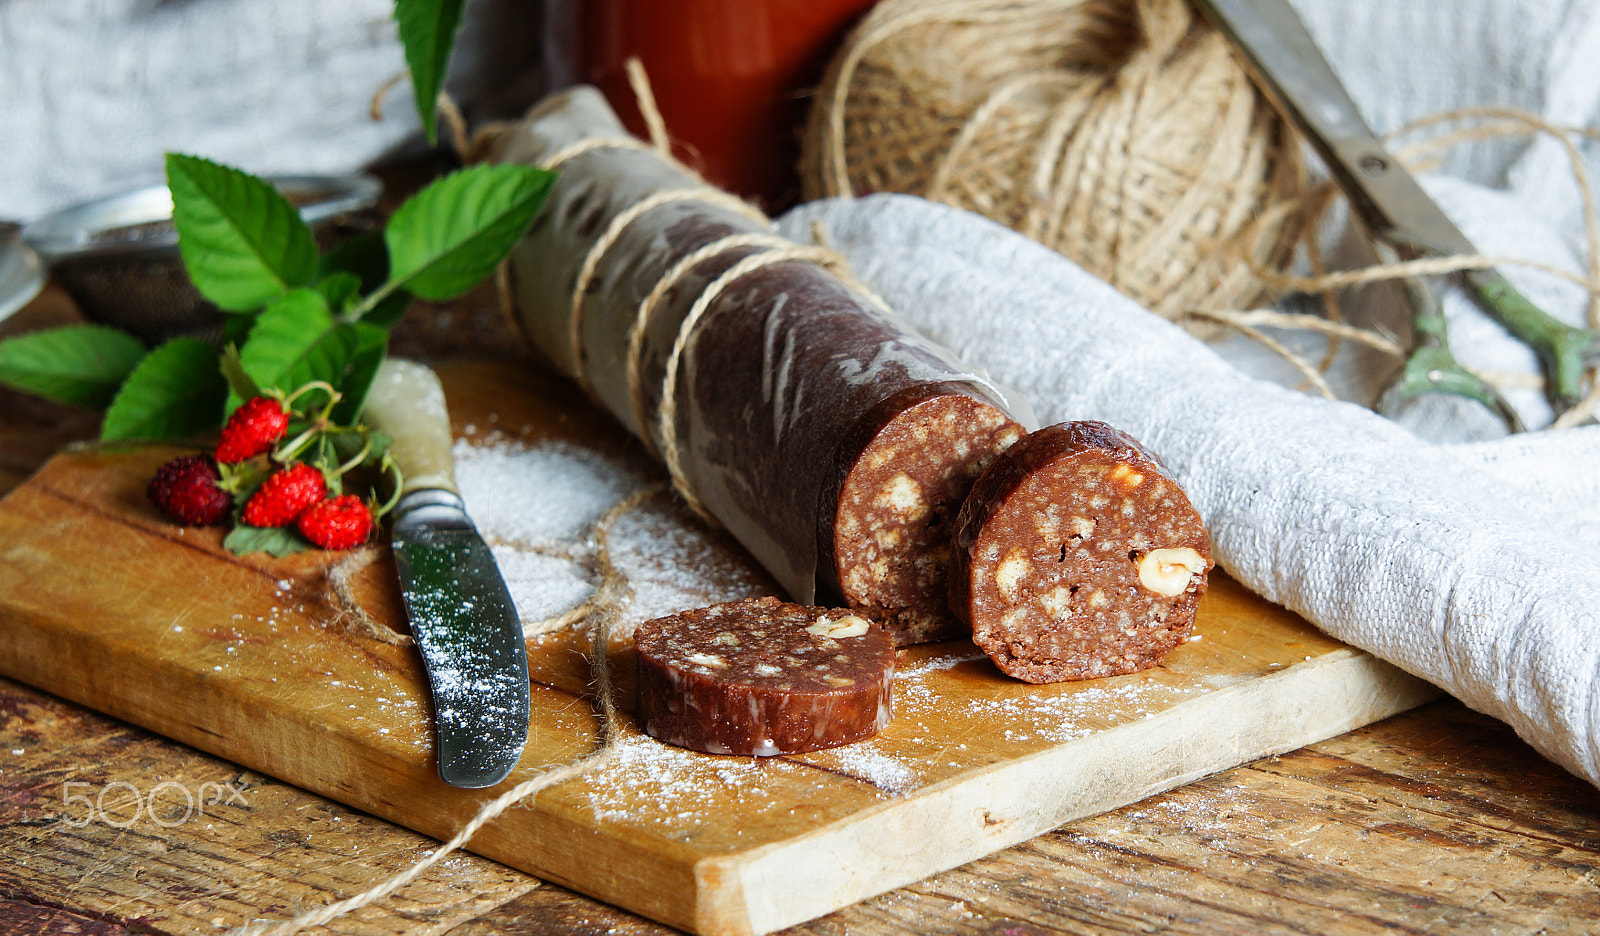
<point x="761" y="677"/>
<point x="1077" y="555"/>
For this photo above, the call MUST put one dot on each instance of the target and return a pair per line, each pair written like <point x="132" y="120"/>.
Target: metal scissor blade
<point x="1289" y="67"/>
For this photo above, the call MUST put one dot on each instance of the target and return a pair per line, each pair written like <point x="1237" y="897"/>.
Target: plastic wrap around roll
<point x="835" y="443"/>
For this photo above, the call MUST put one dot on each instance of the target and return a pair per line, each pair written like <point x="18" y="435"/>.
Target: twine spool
<point x="1122" y="133"/>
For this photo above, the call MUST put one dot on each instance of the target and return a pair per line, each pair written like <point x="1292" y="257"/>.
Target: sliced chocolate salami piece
<point x="911" y="462"/>
<point x="761" y="677"/>
<point x="1077" y="555"/>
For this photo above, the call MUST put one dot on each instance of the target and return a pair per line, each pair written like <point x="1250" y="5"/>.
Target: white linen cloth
<point x="1475" y="566"/>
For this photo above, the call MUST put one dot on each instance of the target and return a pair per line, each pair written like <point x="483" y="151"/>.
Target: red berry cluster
<point x="274" y="480"/>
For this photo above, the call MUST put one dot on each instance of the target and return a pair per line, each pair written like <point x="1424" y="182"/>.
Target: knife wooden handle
<point x="407" y="402"/>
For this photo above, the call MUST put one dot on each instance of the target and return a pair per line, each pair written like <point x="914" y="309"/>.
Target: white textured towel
<point x="1475" y="565"/>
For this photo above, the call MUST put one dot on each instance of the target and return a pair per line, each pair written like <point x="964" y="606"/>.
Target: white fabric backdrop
<point x="95" y="91"/>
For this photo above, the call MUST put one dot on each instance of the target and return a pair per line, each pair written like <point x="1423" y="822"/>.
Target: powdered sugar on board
<point x="1053" y="714"/>
<point x="540" y="506"/>
<point x="951" y="707"/>
<point x="679" y="792"/>
<point x="561" y="518"/>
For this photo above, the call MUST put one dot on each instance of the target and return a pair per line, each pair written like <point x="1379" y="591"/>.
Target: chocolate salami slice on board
<point x="762" y="677"/>
<point x="1077" y="555"/>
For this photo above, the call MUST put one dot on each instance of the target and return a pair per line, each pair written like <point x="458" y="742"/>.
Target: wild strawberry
<point x="252" y="429"/>
<point x="185" y="489"/>
<point x="285" y="495"/>
<point x="337" y="523"/>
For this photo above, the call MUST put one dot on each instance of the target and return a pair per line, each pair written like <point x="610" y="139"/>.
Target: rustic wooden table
<point x="1439" y="820"/>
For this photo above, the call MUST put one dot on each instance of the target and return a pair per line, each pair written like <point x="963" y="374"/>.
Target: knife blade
<point x="461" y="613"/>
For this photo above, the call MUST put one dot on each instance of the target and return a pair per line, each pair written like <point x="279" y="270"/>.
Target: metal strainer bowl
<point x="118" y="257"/>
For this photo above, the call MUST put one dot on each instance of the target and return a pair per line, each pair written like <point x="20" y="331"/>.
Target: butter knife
<point x="461" y="614"/>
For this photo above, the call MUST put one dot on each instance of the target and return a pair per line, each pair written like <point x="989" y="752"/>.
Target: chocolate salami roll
<point x="829" y="439"/>
<point x="762" y="677"/>
<point x="1077" y="555"/>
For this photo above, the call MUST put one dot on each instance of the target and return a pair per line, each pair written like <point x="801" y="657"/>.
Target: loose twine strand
<point x="610" y="597"/>
<point x="613" y="591"/>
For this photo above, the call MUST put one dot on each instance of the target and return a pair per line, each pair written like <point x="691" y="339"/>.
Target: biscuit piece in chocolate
<point x="1077" y="555"/>
<point x="761" y="677"/>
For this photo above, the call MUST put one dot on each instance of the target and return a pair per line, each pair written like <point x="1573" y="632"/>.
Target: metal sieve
<point x="118" y="257"/>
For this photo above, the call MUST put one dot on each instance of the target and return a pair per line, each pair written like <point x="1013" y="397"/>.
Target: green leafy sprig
<point x="427" y="33"/>
<point x="294" y="316"/>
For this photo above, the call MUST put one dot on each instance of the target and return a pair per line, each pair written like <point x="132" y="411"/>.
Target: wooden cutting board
<point x="250" y="658"/>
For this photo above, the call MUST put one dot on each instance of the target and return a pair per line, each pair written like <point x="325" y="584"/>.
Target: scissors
<point x="1403" y="222"/>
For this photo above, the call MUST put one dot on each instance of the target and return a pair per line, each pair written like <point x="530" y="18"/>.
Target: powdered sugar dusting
<point x="1022" y="713"/>
<point x="541" y="586"/>
<point x="944" y="661"/>
<point x="679" y="791"/>
<point x="865" y="760"/>
<point x="540" y="495"/>
<point x="674" y="563"/>
<point x="538" y="506"/>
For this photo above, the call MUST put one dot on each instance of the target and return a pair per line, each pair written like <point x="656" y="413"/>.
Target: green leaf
<point x="241" y="386"/>
<point x="236" y="327"/>
<point x="79" y="364"/>
<point x="372" y="343"/>
<point x="242" y="242"/>
<point x="427" y="31"/>
<point x="389" y="310"/>
<point x="347" y="445"/>
<point x="328" y="358"/>
<point x="366" y="256"/>
<point x="450" y="236"/>
<point x="362" y="254"/>
<point x="279" y="541"/>
<point x="177" y="391"/>
<point x="284" y="334"/>
<point x="297" y="340"/>
<point x="339" y="290"/>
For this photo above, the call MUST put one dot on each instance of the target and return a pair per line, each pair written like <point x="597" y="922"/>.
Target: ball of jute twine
<point x="1122" y="133"/>
<point x="1126" y="135"/>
